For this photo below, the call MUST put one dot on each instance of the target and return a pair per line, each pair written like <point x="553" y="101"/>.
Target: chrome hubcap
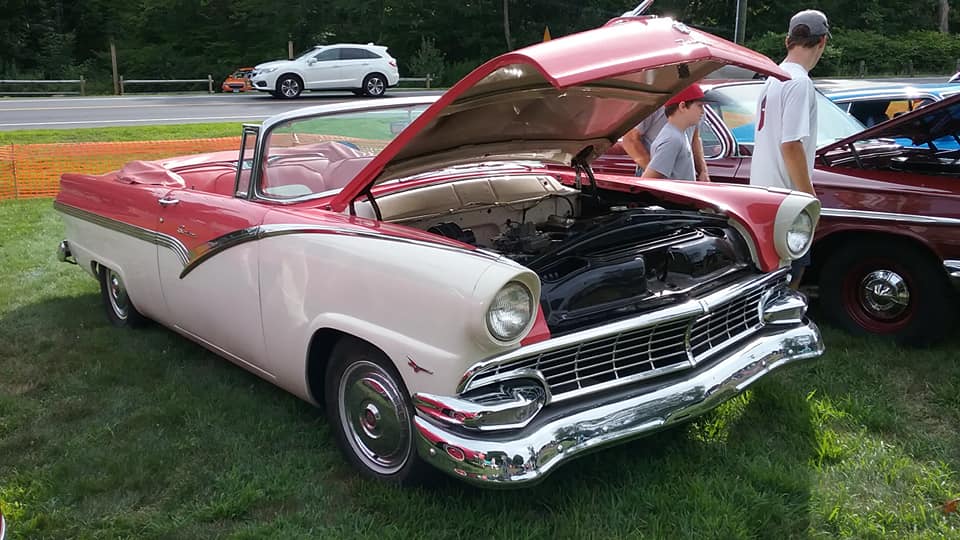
<point x="884" y="294"/>
<point x="119" y="301"/>
<point x="375" y="417"/>
<point x="375" y="86"/>
<point x="289" y="87"/>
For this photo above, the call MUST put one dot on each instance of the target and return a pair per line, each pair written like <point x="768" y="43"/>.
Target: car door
<point x="357" y="63"/>
<point x="209" y="271"/>
<point x="325" y="70"/>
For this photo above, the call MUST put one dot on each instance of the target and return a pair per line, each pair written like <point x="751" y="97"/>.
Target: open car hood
<point x="921" y="126"/>
<point x="554" y="101"/>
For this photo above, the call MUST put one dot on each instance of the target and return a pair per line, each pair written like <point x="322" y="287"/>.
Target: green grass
<point x="141" y="434"/>
<point x="133" y="133"/>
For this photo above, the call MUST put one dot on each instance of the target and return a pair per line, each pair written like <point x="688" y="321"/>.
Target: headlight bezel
<point x="795" y="207"/>
<point x="521" y="329"/>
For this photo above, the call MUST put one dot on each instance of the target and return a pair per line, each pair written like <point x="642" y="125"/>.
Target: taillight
<point x="393" y="63"/>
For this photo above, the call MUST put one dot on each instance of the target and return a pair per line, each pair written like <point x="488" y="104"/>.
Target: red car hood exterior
<point x="920" y="125"/>
<point x="556" y="100"/>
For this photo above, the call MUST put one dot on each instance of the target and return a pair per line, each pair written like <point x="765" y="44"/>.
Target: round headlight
<point x="800" y="234"/>
<point x="510" y="312"/>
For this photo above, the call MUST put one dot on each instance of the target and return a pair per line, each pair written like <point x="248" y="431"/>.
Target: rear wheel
<point x="289" y="86"/>
<point x="120" y="309"/>
<point x="374" y="85"/>
<point x="887" y="287"/>
<point x="369" y="409"/>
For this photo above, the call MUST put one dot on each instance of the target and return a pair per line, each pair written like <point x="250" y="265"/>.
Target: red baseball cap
<point x="690" y="93"/>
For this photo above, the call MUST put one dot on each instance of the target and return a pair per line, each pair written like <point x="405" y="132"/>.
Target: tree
<point x="945" y="16"/>
<point x="506" y="24"/>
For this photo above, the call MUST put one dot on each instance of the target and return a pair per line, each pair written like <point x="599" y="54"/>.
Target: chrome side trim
<point x="267" y="231"/>
<point x="530" y="454"/>
<point x="207" y="250"/>
<point x="888" y="216"/>
<point x="139" y="233"/>
<point x="953" y="272"/>
<point x="193" y="258"/>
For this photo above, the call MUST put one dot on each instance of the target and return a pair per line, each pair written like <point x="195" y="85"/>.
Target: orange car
<point x="238" y="81"/>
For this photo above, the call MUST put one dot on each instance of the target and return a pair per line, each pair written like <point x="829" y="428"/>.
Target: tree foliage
<point x="190" y="38"/>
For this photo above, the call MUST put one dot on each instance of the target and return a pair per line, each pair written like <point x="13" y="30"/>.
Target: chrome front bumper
<point x="953" y="273"/>
<point x="527" y="455"/>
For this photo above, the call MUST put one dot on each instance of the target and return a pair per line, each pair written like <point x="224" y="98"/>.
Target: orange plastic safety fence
<point x="33" y="170"/>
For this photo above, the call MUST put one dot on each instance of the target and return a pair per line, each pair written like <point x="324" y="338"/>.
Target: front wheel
<point x="887" y="287"/>
<point x="289" y="86"/>
<point x="374" y="85"/>
<point x="120" y="309"/>
<point x="369" y="409"/>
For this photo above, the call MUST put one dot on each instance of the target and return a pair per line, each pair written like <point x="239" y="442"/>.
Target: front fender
<point x="414" y="301"/>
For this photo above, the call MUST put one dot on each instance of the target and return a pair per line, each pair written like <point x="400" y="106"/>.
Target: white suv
<point x="362" y="69"/>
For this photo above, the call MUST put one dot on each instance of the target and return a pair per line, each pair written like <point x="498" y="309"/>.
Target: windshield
<point x="737" y="106"/>
<point x="316" y="155"/>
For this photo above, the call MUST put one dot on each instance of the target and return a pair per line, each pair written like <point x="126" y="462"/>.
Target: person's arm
<point x="633" y="144"/>
<point x="651" y="173"/>
<point x="796" y="162"/>
<point x="663" y="151"/>
<point x="699" y="160"/>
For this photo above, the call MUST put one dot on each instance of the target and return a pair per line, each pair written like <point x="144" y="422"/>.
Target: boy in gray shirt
<point x="671" y="155"/>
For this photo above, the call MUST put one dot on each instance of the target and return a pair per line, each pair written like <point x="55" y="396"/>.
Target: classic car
<point x="415" y="265"/>
<point x="874" y="104"/>
<point x="238" y="81"/>
<point x="886" y="258"/>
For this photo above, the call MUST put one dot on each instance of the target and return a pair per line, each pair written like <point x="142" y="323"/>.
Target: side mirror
<point x="311" y="61"/>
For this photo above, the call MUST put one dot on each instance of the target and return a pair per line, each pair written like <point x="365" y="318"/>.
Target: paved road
<point x="132" y="110"/>
<point x="83" y="112"/>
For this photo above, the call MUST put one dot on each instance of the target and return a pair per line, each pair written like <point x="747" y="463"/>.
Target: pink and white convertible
<point x="449" y="277"/>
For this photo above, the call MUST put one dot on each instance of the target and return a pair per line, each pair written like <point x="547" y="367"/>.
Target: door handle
<point x="168" y="201"/>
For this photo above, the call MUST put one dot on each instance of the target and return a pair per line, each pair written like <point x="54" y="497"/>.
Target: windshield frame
<point x="422" y="103"/>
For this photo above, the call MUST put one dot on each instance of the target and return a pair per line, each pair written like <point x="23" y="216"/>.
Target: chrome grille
<point x="727" y="323"/>
<point x="645" y="352"/>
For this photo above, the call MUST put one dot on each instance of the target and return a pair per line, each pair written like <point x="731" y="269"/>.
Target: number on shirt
<point x="763" y="113"/>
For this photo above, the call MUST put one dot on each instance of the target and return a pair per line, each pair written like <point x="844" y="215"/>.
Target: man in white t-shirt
<point x="785" y="134"/>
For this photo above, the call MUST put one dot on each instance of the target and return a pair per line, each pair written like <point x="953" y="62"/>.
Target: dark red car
<point x="887" y="253"/>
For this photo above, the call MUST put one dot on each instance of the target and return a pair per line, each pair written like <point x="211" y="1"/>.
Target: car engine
<point x="616" y="263"/>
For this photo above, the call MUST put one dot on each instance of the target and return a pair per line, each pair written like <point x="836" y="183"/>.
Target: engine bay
<point x="599" y="256"/>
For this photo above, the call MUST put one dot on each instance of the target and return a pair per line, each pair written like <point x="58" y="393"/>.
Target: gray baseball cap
<point x="814" y="20"/>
